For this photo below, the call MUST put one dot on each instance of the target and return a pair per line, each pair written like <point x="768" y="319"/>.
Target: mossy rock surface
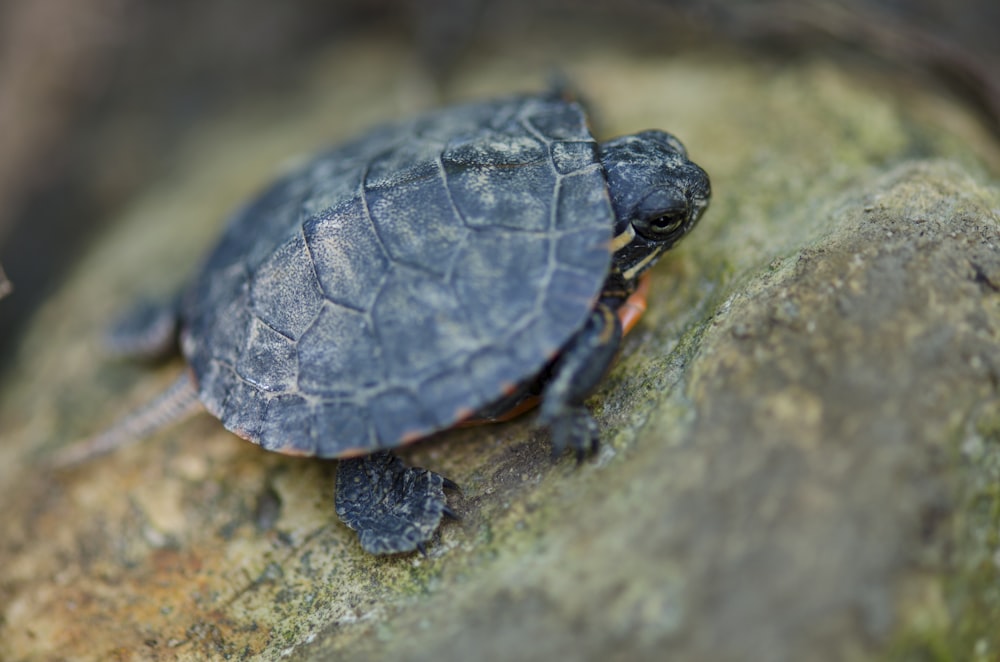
<point x="801" y="439"/>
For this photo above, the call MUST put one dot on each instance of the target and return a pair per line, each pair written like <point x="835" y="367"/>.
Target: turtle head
<point x="657" y="195"/>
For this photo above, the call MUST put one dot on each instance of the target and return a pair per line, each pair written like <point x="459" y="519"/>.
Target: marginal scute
<point x="489" y="372"/>
<point x="439" y="393"/>
<point x="270" y="359"/>
<point x="532" y="339"/>
<point x="341" y="424"/>
<point x="293" y="423"/>
<point x="244" y="410"/>
<point x="285" y="412"/>
<point x="561" y="122"/>
<point x="565" y="296"/>
<point x="218" y="333"/>
<point x="259" y="226"/>
<point x="333" y="177"/>
<point x="400" y="416"/>
<point x="582" y="250"/>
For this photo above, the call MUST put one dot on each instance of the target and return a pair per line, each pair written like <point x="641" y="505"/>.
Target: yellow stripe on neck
<point x="623" y="239"/>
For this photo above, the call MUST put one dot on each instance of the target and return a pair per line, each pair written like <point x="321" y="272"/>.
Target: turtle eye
<point x="662" y="215"/>
<point x="669" y="222"/>
<point x="662" y="224"/>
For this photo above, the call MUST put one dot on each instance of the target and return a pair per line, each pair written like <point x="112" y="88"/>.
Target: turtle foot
<point x="393" y="507"/>
<point x="574" y="428"/>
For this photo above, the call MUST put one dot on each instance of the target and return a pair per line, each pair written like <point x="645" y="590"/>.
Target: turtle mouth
<point x="632" y="253"/>
<point x="647" y="261"/>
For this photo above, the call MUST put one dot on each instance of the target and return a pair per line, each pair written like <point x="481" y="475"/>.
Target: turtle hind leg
<point x="393" y="507"/>
<point x="575" y="374"/>
<point x="148" y="330"/>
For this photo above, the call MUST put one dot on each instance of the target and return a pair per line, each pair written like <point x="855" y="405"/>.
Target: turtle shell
<point x="392" y="286"/>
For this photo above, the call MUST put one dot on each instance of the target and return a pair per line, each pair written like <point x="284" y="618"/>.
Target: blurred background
<point x="94" y="94"/>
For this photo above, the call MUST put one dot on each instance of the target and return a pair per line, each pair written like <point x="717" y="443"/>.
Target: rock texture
<point x="802" y="439"/>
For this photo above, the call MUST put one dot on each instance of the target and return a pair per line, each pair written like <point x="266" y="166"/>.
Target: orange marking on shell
<point x="463" y="413"/>
<point x="354" y="452"/>
<point x="412" y="436"/>
<point x="632" y="310"/>
<point x="525" y="405"/>
<point x="243" y="434"/>
<point x="293" y="451"/>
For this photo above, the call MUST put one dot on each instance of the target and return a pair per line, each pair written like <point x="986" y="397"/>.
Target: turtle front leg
<point x="393" y="507"/>
<point x="575" y="374"/>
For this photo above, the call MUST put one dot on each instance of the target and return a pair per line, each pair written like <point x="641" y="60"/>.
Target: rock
<point x="801" y="440"/>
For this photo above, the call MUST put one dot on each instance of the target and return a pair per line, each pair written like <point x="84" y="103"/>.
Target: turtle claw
<point x="449" y="484"/>
<point x="576" y="429"/>
<point x="450" y="514"/>
<point x="422" y="548"/>
<point x="393" y="507"/>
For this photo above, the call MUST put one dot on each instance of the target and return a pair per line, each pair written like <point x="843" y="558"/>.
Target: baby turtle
<point x="446" y="269"/>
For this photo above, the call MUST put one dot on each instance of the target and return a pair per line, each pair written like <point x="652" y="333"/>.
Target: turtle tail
<point x="176" y="403"/>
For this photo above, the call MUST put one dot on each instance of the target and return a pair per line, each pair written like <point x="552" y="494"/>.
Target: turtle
<point x="452" y="268"/>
